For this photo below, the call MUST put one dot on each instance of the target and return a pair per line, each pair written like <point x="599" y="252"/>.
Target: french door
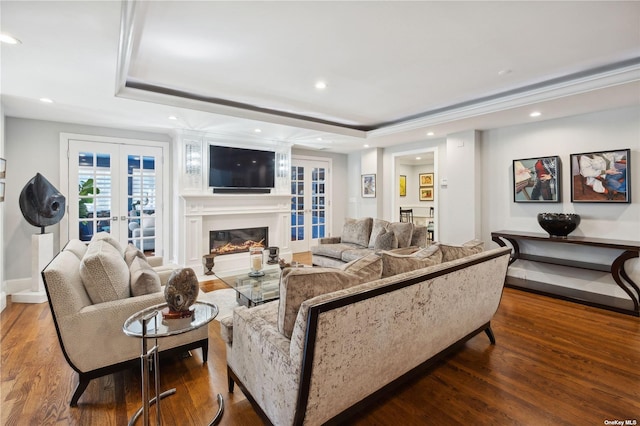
<point x="309" y="203"/>
<point x="116" y="188"/>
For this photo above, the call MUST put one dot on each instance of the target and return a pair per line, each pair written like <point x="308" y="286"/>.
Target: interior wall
<point x="3" y="290"/>
<point x="392" y="201"/>
<point x="607" y="130"/>
<point x="412" y="199"/>
<point x="460" y="199"/>
<point x="369" y="164"/>
<point x="32" y="146"/>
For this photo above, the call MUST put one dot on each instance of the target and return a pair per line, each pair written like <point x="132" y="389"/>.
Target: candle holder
<point x="209" y="260"/>
<point x="256" y="259"/>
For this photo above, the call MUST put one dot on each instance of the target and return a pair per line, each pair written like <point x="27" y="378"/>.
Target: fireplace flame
<point x="236" y="248"/>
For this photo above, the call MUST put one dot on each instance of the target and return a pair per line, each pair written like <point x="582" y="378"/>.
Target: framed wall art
<point x="3" y="168"/>
<point x="369" y="186"/>
<point x="1" y="191"/>
<point x="426" y="179"/>
<point x="426" y="193"/>
<point x="403" y="186"/>
<point x="601" y="177"/>
<point x="536" y="180"/>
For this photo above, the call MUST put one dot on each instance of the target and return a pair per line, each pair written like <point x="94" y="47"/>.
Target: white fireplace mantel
<point x="201" y="213"/>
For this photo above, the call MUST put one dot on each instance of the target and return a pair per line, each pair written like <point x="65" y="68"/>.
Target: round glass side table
<point x="149" y="323"/>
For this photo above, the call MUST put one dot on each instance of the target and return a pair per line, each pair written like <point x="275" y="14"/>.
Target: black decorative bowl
<point x="559" y="224"/>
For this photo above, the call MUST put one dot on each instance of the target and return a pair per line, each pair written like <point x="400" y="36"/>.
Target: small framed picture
<point x="403" y="186"/>
<point x="601" y="177"/>
<point x="1" y="192"/>
<point x="3" y="168"/>
<point x="536" y="180"/>
<point x="426" y="194"/>
<point x="426" y="179"/>
<point x="369" y="186"/>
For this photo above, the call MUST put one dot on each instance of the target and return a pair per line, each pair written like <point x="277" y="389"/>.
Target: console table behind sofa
<point x="630" y="250"/>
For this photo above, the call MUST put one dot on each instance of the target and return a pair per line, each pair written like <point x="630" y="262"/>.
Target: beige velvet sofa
<point x="90" y="330"/>
<point x="362" y="337"/>
<point x="364" y="236"/>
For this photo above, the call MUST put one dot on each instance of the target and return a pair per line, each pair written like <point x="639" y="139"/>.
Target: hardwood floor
<point x="554" y="363"/>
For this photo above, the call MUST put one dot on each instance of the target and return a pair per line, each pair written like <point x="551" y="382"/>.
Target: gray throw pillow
<point x="393" y="263"/>
<point x="357" y="231"/>
<point x="132" y="252"/>
<point x="300" y="284"/>
<point x="403" y="231"/>
<point x="144" y="280"/>
<point x="453" y="252"/>
<point x="378" y="228"/>
<point x="386" y="240"/>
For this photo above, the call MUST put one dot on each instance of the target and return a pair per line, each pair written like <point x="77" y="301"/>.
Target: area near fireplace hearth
<point x="205" y="218"/>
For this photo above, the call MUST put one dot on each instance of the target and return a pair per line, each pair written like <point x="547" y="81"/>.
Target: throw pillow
<point x="386" y="241"/>
<point x="378" y="228"/>
<point x="132" y="252"/>
<point x="105" y="236"/>
<point x="300" y="284"/>
<point x="357" y="231"/>
<point x="104" y="273"/>
<point x="394" y="263"/>
<point x="367" y="268"/>
<point x="419" y="236"/>
<point x="144" y="280"/>
<point x="403" y="231"/>
<point x="453" y="252"/>
<point x="148" y="220"/>
<point x="76" y="247"/>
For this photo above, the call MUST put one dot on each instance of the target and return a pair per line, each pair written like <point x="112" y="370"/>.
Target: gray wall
<point x="608" y="130"/>
<point x="32" y="146"/>
<point x="3" y="290"/>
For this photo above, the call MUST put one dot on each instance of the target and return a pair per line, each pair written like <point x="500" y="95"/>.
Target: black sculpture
<point x="41" y="203"/>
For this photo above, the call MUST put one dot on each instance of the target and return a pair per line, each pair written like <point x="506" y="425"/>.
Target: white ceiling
<point x="394" y="70"/>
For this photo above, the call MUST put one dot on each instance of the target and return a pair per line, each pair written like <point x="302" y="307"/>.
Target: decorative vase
<point x="559" y="225"/>
<point x="209" y="261"/>
<point x="274" y="255"/>
<point x="181" y="291"/>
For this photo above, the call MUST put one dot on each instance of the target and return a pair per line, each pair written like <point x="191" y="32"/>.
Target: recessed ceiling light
<point x="504" y="72"/>
<point x="172" y="117"/>
<point x="9" y="39"/>
<point x="535" y="114"/>
<point x="258" y="130"/>
<point x="418" y="158"/>
<point x="319" y="139"/>
<point x="46" y="100"/>
<point x="366" y="145"/>
<point x="321" y="85"/>
<point x="430" y="133"/>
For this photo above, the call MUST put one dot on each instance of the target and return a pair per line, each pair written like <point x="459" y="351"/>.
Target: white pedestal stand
<point x="41" y="255"/>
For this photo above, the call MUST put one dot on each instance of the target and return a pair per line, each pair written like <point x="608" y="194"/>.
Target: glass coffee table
<point x="252" y="291"/>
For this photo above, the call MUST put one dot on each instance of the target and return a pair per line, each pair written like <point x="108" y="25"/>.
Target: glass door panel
<point x="119" y="190"/>
<point x="141" y="201"/>
<point x="90" y="202"/>
<point x="297" y="203"/>
<point x="309" y="203"/>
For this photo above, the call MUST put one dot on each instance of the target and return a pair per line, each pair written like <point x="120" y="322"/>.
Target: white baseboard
<point x="18" y="285"/>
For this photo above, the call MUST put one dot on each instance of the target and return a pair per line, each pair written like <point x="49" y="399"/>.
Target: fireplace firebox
<point x="230" y="241"/>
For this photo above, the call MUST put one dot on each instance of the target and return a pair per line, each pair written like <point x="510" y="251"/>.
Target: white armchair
<point x="90" y="334"/>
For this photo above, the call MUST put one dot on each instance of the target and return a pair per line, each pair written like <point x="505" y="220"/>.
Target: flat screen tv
<point x="240" y="168"/>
